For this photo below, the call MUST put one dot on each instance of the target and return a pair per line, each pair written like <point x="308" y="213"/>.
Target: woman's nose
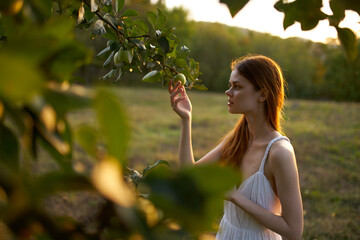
<point x="227" y="92"/>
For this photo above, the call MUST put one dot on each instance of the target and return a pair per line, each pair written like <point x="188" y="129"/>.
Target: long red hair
<point x="266" y="75"/>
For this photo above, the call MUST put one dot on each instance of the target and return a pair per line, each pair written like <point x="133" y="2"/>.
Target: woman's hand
<point x="232" y="195"/>
<point x="180" y="102"/>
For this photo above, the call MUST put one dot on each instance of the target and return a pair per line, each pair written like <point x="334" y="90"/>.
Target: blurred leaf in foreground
<point x="113" y="123"/>
<point x="193" y="196"/>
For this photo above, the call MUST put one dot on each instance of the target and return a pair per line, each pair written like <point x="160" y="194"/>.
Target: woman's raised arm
<point x="181" y="104"/>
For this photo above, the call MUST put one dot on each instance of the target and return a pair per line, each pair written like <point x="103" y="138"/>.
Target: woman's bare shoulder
<point x="282" y="153"/>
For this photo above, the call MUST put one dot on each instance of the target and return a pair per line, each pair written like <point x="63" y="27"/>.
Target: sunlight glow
<point x="261" y="16"/>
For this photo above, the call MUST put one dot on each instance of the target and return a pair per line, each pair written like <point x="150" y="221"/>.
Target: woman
<point x="267" y="205"/>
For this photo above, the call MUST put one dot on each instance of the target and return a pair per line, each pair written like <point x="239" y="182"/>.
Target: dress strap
<point x="268" y="149"/>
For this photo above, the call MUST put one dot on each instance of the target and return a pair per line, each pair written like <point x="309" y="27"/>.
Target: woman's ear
<point x="263" y="95"/>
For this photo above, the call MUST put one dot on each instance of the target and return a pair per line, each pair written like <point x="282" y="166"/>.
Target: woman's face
<point x="242" y="96"/>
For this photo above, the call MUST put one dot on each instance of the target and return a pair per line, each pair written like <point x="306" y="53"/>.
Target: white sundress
<point x="237" y="224"/>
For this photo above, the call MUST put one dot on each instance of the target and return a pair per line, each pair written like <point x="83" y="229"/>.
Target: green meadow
<point x="325" y="136"/>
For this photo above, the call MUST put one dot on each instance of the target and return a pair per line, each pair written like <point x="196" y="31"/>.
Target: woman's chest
<point x="251" y="161"/>
<point x="251" y="164"/>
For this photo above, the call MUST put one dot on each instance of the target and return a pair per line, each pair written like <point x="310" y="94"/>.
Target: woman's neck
<point x="258" y="128"/>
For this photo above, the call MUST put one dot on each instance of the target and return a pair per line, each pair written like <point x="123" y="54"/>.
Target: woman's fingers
<point x="172" y="88"/>
<point x="170" y="85"/>
<point x="174" y="94"/>
<point x="174" y="91"/>
<point x="183" y="91"/>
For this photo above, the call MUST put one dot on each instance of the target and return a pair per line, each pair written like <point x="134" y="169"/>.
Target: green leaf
<point x="181" y="63"/>
<point x="9" y="147"/>
<point x="20" y="76"/>
<point x="307" y="12"/>
<point x="338" y="12"/>
<point x="105" y="50"/>
<point x="172" y="50"/>
<point x="190" y="196"/>
<point x="176" y="194"/>
<point x="87" y="137"/>
<point x="288" y="21"/>
<point x="339" y="7"/>
<point x="114" y="46"/>
<point x="164" y="44"/>
<point x="151" y="77"/>
<point x="130" y="13"/>
<point x="195" y="66"/>
<point x="221" y="180"/>
<point x="108" y="60"/>
<point x="142" y="26"/>
<point x="60" y="27"/>
<point x="119" y="5"/>
<point x="152" y="18"/>
<point x="41" y="9"/>
<point x="128" y="22"/>
<point x="113" y="123"/>
<point x="234" y="5"/>
<point x="67" y="59"/>
<point x="200" y="87"/>
<point x="161" y="19"/>
<point x="349" y="43"/>
<point x="280" y="6"/>
<point x="88" y="14"/>
<point x="119" y="75"/>
<point x="110" y="74"/>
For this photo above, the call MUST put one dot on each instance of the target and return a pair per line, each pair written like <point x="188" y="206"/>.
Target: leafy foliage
<point x="38" y="57"/>
<point x="138" y="45"/>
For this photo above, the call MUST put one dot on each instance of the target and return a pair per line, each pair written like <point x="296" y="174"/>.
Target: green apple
<point x="123" y="56"/>
<point x="180" y="77"/>
<point x="117" y="59"/>
<point x="126" y="56"/>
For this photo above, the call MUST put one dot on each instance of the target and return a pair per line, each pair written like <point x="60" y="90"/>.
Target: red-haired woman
<point x="267" y="204"/>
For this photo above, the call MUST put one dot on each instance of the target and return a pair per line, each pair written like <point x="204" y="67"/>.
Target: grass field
<point x="325" y="135"/>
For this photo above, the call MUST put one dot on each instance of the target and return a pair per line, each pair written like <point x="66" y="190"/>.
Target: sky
<point x="261" y="16"/>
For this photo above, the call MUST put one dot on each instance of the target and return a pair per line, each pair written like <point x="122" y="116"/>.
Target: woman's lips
<point x="229" y="102"/>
